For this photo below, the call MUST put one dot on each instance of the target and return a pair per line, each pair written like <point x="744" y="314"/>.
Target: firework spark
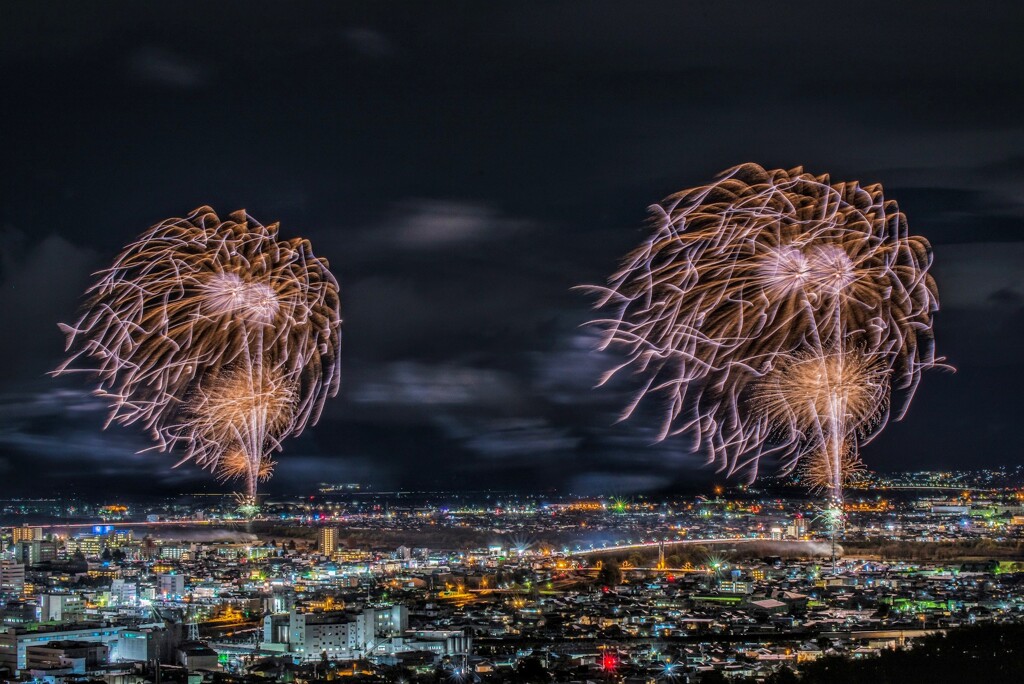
<point x="777" y="312"/>
<point x="216" y="335"/>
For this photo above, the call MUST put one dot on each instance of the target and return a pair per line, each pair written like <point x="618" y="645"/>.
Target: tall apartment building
<point x="327" y="541"/>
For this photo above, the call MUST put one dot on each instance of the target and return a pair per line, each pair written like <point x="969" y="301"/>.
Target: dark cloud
<point x="152" y="64"/>
<point x="462" y="170"/>
<point x="41" y="280"/>
<point x="982" y="277"/>
<point x="55" y="437"/>
<point x="439" y="224"/>
<point x="368" y="42"/>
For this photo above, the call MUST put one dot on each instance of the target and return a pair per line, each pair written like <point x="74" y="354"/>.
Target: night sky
<point x="462" y="167"/>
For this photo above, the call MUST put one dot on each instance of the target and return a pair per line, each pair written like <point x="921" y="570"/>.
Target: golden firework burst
<point x="213" y="334"/>
<point x="745" y="282"/>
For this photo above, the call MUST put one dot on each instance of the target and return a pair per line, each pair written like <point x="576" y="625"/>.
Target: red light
<point x="609" y="662"/>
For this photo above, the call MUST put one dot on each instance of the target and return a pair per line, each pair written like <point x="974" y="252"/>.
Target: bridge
<point x="716" y="541"/>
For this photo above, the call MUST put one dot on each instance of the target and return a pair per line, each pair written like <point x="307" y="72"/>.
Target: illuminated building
<point x="15" y="641"/>
<point x="26" y="533"/>
<point x="326" y="541"/>
<point x="170" y="585"/>
<point x="798" y="529"/>
<point x="123" y="593"/>
<point x="34" y="552"/>
<point x="104" y="570"/>
<point x="78" y="656"/>
<point x="118" y="538"/>
<point x="12" y="578"/>
<point x="176" y="552"/>
<point x="352" y="556"/>
<point x="16" y="613"/>
<point x="338" y="633"/>
<point x="377" y="622"/>
<point x="60" y="608"/>
<point x="113" y="512"/>
<point x="441" y="642"/>
<point x="141" y="644"/>
<point x="310" y="634"/>
<point x="197" y="656"/>
<point x="89" y="545"/>
<point x="327" y="488"/>
<point x="257" y="552"/>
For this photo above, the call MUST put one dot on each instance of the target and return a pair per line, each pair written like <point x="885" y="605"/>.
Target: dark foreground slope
<point x="984" y="653"/>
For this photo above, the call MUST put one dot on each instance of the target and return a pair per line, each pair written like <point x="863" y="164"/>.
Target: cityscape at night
<point x="347" y="581"/>
<point x="511" y="343"/>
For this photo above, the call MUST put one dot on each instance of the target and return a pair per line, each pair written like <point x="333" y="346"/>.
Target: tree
<point x="610" y="574"/>
<point x="986" y="653"/>
<point x="396" y="673"/>
<point x="532" y="670"/>
<point x="783" y="676"/>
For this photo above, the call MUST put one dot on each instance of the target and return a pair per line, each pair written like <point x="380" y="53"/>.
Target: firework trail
<point x="777" y="313"/>
<point x="214" y="335"/>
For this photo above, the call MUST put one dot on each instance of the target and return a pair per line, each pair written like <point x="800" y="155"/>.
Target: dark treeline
<point x="983" y="653"/>
<point x="934" y="551"/>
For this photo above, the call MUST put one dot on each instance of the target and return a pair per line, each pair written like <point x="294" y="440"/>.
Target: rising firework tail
<point x="778" y="313"/>
<point x="213" y="335"/>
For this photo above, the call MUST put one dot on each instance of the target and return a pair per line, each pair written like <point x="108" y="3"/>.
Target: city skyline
<point x="462" y="174"/>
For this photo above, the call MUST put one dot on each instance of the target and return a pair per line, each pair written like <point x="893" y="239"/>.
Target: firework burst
<point x="248" y="410"/>
<point x="822" y="406"/>
<point x="213" y="334"/>
<point x="777" y="312"/>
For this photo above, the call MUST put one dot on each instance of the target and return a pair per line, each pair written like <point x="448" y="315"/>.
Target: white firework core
<point x="227" y="294"/>
<point x="785" y="269"/>
<point x="832" y="269"/>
